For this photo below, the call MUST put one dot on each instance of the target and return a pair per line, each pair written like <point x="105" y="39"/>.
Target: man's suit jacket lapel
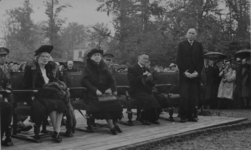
<point x="139" y="69"/>
<point x="194" y="46"/>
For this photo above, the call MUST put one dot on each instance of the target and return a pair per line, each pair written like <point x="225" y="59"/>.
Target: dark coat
<point x="33" y="78"/>
<point x="135" y="77"/>
<point x="97" y="76"/>
<point x="184" y="58"/>
<point x="212" y="83"/>
<point x="189" y="58"/>
<point x="138" y="90"/>
<point x="45" y="102"/>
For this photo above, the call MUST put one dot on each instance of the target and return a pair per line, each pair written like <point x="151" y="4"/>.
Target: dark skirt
<point x="107" y="115"/>
<point x="53" y="105"/>
<point x="42" y="107"/>
<point x="104" y="110"/>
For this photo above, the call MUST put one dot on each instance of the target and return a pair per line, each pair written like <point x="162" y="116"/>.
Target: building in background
<point x="80" y="50"/>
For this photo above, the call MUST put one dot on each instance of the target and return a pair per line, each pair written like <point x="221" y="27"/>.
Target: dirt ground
<point x="232" y="139"/>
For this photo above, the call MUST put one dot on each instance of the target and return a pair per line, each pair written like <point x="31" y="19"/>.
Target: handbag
<point x="107" y="98"/>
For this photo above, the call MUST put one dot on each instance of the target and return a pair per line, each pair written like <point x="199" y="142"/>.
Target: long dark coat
<point x="97" y="76"/>
<point x="138" y="90"/>
<point x="189" y="57"/>
<point x="41" y="107"/>
<point x="212" y="83"/>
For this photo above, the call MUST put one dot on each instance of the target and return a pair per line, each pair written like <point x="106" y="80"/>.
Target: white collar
<point x="140" y="65"/>
<point x="190" y="41"/>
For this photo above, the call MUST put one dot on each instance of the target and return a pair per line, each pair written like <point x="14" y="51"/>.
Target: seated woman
<point x="98" y="81"/>
<point x="37" y="74"/>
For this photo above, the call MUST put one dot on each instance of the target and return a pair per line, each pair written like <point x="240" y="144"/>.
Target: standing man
<point x="5" y="107"/>
<point x="190" y="64"/>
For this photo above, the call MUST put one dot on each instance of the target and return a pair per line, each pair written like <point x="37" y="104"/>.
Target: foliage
<point x="73" y="35"/>
<point x="99" y="35"/>
<point x="54" y="25"/>
<point x="158" y="26"/>
<point x="19" y="32"/>
<point x="155" y="27"/>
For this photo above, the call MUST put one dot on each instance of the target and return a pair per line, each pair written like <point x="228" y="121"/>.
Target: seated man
<point x="70" y="67"/>
<point x="142" y="93"/>
<point x="108" y="59"/>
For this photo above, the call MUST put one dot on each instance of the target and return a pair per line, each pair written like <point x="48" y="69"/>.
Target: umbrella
<point x="245" y="53"/>
<point x="214" y="55"/>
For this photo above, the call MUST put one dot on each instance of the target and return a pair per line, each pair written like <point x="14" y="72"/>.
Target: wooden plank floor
<point x="102" y="139"/>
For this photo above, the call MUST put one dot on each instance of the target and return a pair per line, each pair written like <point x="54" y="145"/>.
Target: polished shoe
<point x="113" y="131"/>
<point x="23" y="128"/>
<point x="118" y="129"/>
<point x="89" y="129"/>
<point x="53" y="134"/>
<point x="145" y="122"/>
<point x="68" y="133"/>
<point x="58" y="139"/>
<point x="7" y="142"/>
<point x="183" y="120"/>
<point x="192" y="119"/>
<point x="154" y="122"/>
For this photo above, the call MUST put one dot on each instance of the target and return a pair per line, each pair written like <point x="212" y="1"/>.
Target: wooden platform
<point x="102" y="139"/>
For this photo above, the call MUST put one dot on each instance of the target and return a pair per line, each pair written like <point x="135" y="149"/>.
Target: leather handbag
<point x="107" y="98"/>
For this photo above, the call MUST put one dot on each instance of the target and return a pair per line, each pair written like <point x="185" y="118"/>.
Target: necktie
<point x="191" y="43"/>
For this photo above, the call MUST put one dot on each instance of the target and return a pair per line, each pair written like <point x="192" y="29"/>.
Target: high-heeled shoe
<point x="118" y="129"/>
<point x="57" y="137"/>
<point x="7" y="142"/>
<point x="113" y="131"/>
<point x="54" y="134"/>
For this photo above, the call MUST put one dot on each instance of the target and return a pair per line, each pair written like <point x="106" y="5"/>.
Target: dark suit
<point x="142" y="93"/>
<point x="5" y="107"/>
<point x="189" y="57"/>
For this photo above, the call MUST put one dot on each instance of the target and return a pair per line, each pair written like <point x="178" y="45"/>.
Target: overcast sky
<point x="82" y="11"/>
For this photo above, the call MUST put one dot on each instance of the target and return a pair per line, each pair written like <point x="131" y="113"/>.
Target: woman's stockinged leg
<point x="115" y="122"/>
<point x="59" y="117"/>
<point x="110" y="123"/>
<point x="53" y="118"/>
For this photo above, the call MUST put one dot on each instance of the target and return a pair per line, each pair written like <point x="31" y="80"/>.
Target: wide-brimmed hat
<point x="44" y="48"/>
<point x="93" y="51"/>
<point x="4" y="51"/>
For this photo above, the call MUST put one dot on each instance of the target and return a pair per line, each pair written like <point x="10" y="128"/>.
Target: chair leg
<point x="170" y="111"/>
<point x="44" y="126"/>
<point x="90" y="122"/>
<point x="129" y="114"/>
<point x="14" y="131"/>
<point x="219" y="103"/>
<point x="138" y="114"/>
<point x="196" y="112"/>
